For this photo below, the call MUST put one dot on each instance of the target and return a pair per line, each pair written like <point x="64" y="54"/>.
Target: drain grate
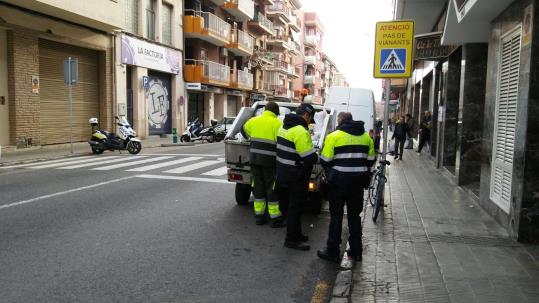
<point x="474" y="240"/>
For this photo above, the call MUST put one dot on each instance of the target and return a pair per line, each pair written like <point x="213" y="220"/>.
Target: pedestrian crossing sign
<point x="393" y="49"/>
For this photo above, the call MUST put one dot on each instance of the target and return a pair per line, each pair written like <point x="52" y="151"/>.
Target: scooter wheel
<point x="134" y="147"/>
<point x="185" y="138"/>
<point x="97" y="150"/>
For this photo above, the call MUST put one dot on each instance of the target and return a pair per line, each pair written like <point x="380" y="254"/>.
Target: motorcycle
<point x="195" y="131"/>
<point x="103" y="140"/>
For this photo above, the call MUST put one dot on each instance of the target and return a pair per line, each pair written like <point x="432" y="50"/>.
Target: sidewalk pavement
<point x="433" y="243"/>
<point x="12" y="155"/>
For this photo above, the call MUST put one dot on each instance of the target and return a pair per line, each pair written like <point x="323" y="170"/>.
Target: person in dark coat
<point x="400" y="134"/>
<point x="424" y="131"/>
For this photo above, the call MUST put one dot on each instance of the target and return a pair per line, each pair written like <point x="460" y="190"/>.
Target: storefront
<point x="153" y="87"/>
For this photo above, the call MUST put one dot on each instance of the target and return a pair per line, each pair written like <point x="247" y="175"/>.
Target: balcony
<point x="295" y="25"/>
<point x="206" y="26"/>
<point x="310" y="60"/>
<point x="279" y="66"/>
<point x="311" y="41"/>
<point x="261" y="25"/>
<point x="279" y="91"/>
<point x="293" y="72"/>
<point x="279" y="10"/>
<point x="294" y="48"/>
<point x="241" y="44"/>
<point x="242" y="10"/>
<point x="308" y="79"/>
<point x="279" y="41"/>
<point x="242" y="80"/>
<point x="207" y="72"/>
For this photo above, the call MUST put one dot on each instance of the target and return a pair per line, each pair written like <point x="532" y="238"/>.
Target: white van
<point x="358" y="101"/>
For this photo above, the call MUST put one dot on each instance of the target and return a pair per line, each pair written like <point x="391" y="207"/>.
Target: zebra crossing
<point x="170" y="164"/>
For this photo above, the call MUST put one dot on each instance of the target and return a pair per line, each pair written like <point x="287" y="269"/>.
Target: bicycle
<point x="376" y="188"/>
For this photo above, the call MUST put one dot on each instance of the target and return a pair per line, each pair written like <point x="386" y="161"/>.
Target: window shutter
<point x="506" y="117"/>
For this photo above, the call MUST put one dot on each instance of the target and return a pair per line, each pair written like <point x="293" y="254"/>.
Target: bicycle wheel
<point x="372" y="188"/>
<point x="379" y="199"/>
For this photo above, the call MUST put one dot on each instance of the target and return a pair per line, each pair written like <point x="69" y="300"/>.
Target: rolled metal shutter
<point x="506" y="121"/>
<point x="54" y="107"/>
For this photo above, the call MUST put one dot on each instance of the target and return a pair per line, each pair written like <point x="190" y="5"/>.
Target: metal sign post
<point x="70" y="78"/>
<point x="392" y="59"/>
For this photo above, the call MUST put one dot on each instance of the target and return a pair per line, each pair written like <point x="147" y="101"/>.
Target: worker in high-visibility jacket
<point x="347" y="157"/>
<point x="262" y="130"/>
<point x="295" y="159"/>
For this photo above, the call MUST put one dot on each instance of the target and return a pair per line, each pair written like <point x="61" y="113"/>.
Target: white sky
<point x="349" y="36"/>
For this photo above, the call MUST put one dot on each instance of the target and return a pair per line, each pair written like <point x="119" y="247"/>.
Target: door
<point x="195" y="107"/>
<point x="53" y="93"/>
<point x="158" y="104"/>
<point x="506" y="120"/>
<point x="129" y="96"/>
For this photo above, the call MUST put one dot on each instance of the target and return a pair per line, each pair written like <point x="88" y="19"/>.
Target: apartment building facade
<point x="475" y="66"/>
<point x="149" y="81"/>
<point x="35" y="38"/>
<point x="313" y="57"/>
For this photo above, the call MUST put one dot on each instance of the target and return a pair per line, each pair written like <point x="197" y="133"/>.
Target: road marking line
<point x="67" y="163"/>
<point x="221" y="171"/>
<point x="188" y="168"/>
<point x="184" y="155"/>
<point x="101" y="162"/>
<point x="45" y="162"/>
<point x="161" y="177"/>
<point x="165" y="164"/>
<point x="63" y="192"/>
<point x="111" y="167"/>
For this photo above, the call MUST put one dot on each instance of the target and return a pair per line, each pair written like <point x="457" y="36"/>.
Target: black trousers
<point x="399" y="146"/>
<point x="424" y="138"/>
<point x="294" y="194"/>
<point x="264" y="182"/>
<point x="352" y="197"/>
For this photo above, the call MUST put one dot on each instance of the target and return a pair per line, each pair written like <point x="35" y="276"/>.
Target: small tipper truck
<point x="237" y="149"/>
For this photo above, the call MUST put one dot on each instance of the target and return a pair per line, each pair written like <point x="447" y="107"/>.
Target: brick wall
<point x="23" y="62"/>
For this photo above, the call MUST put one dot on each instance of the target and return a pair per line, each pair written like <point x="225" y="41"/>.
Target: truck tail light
<point x="312" y="186"/>
<point x="235" y="177"/>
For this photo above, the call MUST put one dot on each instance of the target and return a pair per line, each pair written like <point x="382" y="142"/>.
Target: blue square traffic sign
<point x="393" y="60"/>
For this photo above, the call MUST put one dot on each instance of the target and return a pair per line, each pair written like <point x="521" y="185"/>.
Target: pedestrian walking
<point x="295" y="159"/>
<point x="347" y="157"/>
<point x="424" y="131"/>
<point x="400" y="134"/>
<point x="412" y="128"/>
<point x="263" y="130"/>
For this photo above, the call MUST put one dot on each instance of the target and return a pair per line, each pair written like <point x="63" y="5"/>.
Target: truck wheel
<point x="243" y="193"/>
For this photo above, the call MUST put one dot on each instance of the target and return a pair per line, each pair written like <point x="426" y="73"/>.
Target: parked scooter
<point x="197" y="132"/>
<point x="103" y="140"/>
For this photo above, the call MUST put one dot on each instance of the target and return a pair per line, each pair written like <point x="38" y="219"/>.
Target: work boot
<point x="259" y="220"/>
<point x="297" y="245"/>
<point x="303" y="238"/>
<point x="278" y="223"/>
<point x="357" y="257"/>
<point x="326" y="255"/>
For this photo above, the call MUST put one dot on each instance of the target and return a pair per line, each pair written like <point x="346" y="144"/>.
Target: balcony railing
<point x="241" y="43"/>
<point x="216" y="25"/>
<point x="308" y="79"/>
<point x="295" y="24"/>
<point x="241" y="9"/>
<point x="244" y="80"/>
<point x="207" y="72"/>
<point x="264" y="22"/>
<point x="311" y="41"/>
<point x="294" y="47"/>
<point x="281" y="9"/>
<point x="278" y="90"/>
<point x="282" y="65"/>
<point x="310" y="60"/>
<point x="206" y="26"/>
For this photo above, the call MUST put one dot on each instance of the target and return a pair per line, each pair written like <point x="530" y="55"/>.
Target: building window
<point x="166" y="21"/>
<point x="131" y="16"/>
<point x="150" y="19"/>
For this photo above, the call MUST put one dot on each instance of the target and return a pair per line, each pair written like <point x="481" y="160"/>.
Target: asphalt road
<point x="81" y="231"/>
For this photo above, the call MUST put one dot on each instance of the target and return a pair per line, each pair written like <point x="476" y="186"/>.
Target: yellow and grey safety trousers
<point x="264" y="191"/>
